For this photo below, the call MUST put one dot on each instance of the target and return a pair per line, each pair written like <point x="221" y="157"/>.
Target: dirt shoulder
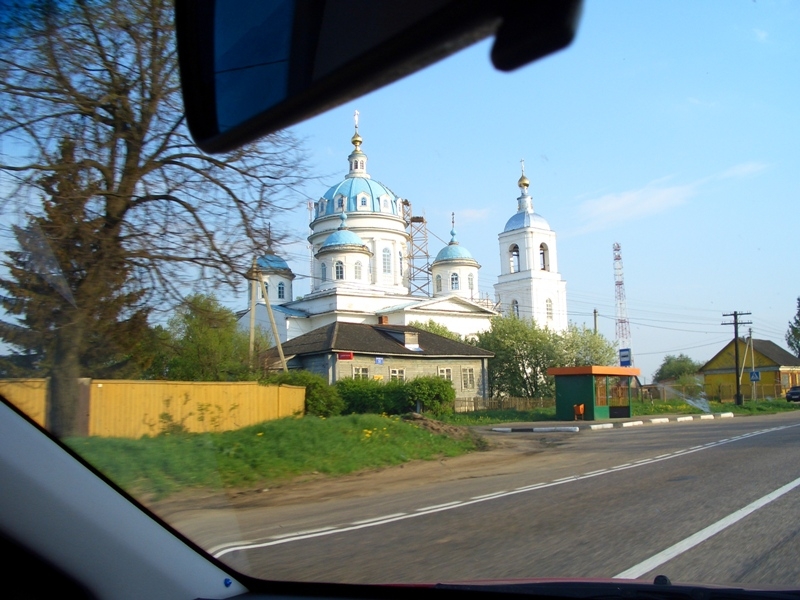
<point x="500" y="454"/>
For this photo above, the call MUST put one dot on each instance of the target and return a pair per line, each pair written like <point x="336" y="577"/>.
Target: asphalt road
<point x="712" y="502"/>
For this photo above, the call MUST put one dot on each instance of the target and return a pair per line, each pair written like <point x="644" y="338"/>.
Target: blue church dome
<point x="358" y="192"/>
<point x="453" y="251"/>
<point x="352" y="190"/>
<point x="526" y="219"/>
<point x="273" y="262"/>
<point x="342" y="237"/>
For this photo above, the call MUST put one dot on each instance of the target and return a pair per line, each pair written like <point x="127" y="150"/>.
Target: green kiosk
<point x="593" y="392"/>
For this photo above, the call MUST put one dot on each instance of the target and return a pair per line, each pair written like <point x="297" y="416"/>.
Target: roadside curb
<point x="614" y="425"/>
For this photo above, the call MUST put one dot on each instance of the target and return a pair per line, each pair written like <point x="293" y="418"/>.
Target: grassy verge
<point x="761" y="407"/>
<point x="268" y="453"/>
<point x="491" y="417"/>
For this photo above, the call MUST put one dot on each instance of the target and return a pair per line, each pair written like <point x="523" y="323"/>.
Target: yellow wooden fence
<point x="124" y="408"/>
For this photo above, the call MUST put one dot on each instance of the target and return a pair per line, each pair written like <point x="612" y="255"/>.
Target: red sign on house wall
<point x="345" y="356"/>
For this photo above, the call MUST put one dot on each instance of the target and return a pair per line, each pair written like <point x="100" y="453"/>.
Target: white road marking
<point x="420" y="512"/>
<point x="701" y="536"/>
<point x="436" y="506"/>
<point x="383" y="518"/>
<point x="489" y="495"/>
<point x="306" y="532"/>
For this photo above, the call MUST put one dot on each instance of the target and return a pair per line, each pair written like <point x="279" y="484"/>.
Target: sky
<point x="670" y="128"/>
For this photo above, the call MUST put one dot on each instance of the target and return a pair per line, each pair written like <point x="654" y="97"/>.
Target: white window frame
<point x="446" y="373"/>
<point x="387" y="261"/>
<point x="397" y="374"/>
<point x="360" y="372"/>
<point x="468" y="378"/>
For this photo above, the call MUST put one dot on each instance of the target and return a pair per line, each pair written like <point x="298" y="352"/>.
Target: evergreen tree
<point x="793" y="333"/>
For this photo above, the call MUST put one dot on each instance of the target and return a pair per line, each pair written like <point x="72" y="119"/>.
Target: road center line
<point x="420" y="512"/>
<point x="701" y="536"/>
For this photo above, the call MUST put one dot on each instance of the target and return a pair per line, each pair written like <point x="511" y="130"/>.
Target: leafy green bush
<point x="322" y="400"/>
<point x="435" y="394"/>
<point x="362" y="396"/>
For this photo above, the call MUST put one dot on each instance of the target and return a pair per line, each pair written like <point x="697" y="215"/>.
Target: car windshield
<point x="540" y="324"/>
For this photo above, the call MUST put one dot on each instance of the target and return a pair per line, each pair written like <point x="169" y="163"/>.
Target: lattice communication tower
<point x="419" y="269"/>
<point x="623" y="327"/>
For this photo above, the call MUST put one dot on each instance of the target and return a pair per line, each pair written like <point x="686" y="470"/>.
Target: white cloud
<point x="619" y="207"/>
<point x="743" y="170"/>
<point x="656" y="197"/>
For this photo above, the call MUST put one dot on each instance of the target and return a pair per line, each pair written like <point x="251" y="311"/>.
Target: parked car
<point x="793" y="395"/>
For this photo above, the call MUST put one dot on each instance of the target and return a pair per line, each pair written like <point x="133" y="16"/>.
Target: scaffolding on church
<point x="419" y="268"/>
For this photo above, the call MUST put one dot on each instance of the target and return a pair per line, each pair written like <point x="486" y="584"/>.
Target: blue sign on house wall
<point x="755" y="376"/>
<point x="378" y="360"/>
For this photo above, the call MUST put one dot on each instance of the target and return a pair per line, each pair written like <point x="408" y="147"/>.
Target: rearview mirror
<point x="252" y="67"/>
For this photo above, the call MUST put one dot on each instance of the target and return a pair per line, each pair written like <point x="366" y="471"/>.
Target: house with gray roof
<point x="385" y="352"/>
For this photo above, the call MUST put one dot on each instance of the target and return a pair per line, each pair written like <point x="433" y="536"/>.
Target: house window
<point x="454" y="281"/>
<point x="515" y="308"/>
<point x="357" y="270"/>
<point x="281" y="291"/>
<point x="446" y="373"/>
<point x="544" y="257"/>
<point x="387" y="260"/>
<point x="549" y="305"/>
<point x="397" y="374"/>
<point x="513" y="257"/>
<point x="339" y="267"/>
<point x="323" y="272"/>
<point x="438" y="283"/>
<point x="360" y="372"/>
<point x="468" y="378"/>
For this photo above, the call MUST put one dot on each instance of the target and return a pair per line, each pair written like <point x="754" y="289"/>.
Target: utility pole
<point x="736" y="322"/>
<point x="595" y="321"/>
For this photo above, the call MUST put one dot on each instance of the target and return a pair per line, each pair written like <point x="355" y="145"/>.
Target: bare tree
<point x="91" y="115"/>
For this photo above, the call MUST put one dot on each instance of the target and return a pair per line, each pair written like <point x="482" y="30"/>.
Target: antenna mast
<point x="623" y="327"/>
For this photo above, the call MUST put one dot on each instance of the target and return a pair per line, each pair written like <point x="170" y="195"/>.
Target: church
<point x="361" y="245"/>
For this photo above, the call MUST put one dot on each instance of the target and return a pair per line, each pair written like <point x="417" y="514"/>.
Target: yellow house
<point x="776" y="371"/>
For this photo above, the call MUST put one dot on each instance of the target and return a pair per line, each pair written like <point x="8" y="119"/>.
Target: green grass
<point x="269" y="453"/>
<point x="491" y="417"/>
<point x="760" y="407"/>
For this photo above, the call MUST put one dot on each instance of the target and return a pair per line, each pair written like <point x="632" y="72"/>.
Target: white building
<point x="360" y="269"/>
<point x="529" y="285"/>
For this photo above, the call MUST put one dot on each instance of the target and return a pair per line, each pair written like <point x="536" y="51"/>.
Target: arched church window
<point x="454" y="281"/>
<point x="471" y="282"/>
<point x="385" y="204"/>
<point x="544" y="257"/>
<point x="438" y="283"/>
<point x="387" y="261"/>
<point x="400" y="258"/>
<point x="361" y="164"/>
<point x="363" y="202"/>
<point x="339" y="269"/>
<point x="323" y="272"/>
<point x="281" y="291"/>
<point x="549" y="307"/>
<point x="515" y="308"/>
<point x="357" y="270"/>
<point x="513" y="257"/>
<point x="340" y="203"/>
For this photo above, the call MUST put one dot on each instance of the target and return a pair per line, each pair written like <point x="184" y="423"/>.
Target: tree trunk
<point x="63" y="417"/>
